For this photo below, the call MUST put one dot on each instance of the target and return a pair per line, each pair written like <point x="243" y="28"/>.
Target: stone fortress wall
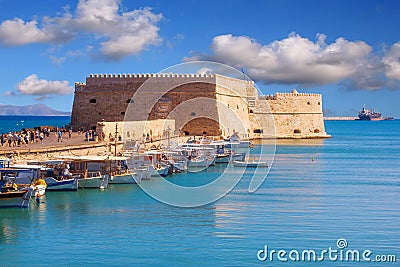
<point x="200" y="103"/>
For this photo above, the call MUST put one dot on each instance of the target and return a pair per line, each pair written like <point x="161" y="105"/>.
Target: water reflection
<point x="291" y="142"/>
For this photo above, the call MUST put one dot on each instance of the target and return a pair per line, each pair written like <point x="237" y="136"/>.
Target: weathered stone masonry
<point x="295" y="115"/>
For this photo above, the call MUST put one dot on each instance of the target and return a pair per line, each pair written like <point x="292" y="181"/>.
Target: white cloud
<point x="32" y="85"/>
<point x="137" y="30"/>
<point x="392" y="62"/>
<point x="9" y="93"/>
<point x="298" y="60"/>
<point x="204" y="71"/>
<point x="19" y="32"/>
<point x="120" y="33"/>
<point x="57" y="60"/>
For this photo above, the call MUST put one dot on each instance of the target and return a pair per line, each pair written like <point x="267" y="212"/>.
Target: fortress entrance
<point x="202" y="126"/>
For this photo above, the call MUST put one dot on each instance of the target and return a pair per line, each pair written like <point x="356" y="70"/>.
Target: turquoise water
<point x="16" y="123"/>
<point x="350" y="190"/>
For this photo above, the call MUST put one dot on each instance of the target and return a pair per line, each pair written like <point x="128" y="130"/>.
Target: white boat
<point x="180" y="165"/>
<point x="94" y="180"/>
<point x="234" y="142"/>
<point x="152" y="158"/>
<point x="158" y="170"/>
<point x="142" y="172"/>
<point x="251" y="164"/>
<point x="199" y="155"/>
<point x="120" y="173"/>
<point x="200" y="162"/>
<point x="127" y="178"/>
<point x="28" y="176"/>
<point x="222" y="158"/>
<point x="91" y="170"/>
<point x="176" y="158"/>
<point x="10" y="194"/>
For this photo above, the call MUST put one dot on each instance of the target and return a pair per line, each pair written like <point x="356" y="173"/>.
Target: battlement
<point x="297" y="94"/>
<point x="151" y="75"/>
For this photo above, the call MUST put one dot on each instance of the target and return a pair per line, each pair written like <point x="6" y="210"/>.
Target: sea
<point x="331" y="202"/>
<point x="17" y="123"/>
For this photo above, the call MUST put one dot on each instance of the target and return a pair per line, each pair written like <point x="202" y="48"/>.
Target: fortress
<point x="210" y="104"/>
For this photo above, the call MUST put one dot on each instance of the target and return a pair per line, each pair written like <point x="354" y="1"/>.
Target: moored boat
<point x="250" y="163"/>
<point x="63" y="184"/>
<point x="28" y="176"/>
<point x="369" y="115"/>
<point x="10" y="194"/>
<point x="90" y="170"/>
<point x="120" y="173"/>
<point x="57" y="176"/>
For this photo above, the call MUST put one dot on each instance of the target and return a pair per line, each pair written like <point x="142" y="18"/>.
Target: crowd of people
<point x="29" y="136"/>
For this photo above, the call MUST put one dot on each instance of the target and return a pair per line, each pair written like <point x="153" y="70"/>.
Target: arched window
<point x="93" y="100"/>
<point x="297" y="131"/>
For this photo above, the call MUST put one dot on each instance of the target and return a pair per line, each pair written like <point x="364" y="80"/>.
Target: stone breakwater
<point x="340" y="118"/>
<point x="76" y="145"/>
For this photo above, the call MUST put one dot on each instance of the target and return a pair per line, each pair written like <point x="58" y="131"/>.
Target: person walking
<point x="15" y="139"/>
<point x="87" y="136"/>
<point x="32" y="135"/>
<point x="59" y="139"/>
<point x="26" y="138"/>
<point x="41" y="137"/>
<point x="9" y="139"/>
<point x="19" y="139"/>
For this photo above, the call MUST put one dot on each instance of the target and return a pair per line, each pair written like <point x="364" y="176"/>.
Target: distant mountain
<point x="30" y="110"/>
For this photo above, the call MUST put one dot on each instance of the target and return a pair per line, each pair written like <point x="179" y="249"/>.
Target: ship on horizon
<point x="371" y="115"/>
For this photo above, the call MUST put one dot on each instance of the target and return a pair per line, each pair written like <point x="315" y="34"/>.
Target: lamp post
<point x="115" y="139"/>
<point x="168" y="136"/>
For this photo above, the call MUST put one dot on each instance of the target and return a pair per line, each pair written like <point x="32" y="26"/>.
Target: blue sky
<point x="347" y="50"/>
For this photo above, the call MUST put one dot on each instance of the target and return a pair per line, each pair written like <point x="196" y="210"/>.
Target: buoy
<point x="312" y="159"/>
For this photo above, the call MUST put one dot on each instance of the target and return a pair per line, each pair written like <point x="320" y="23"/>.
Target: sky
<point x="349" y="51"/>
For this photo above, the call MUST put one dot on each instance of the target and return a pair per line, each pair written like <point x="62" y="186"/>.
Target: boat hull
<point x="19" y="199"/>
<point x="162" y="171"/>
<point x="99" y="182"/>
<point x="63" y="185"/>
<point x="127" y="178"/>
<point x="250" y="164"/>
<point x="222" y="158"/>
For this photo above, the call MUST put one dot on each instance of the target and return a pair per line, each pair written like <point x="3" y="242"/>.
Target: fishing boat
<point x="234" y="142"/>
<point x="250" y="163"/>
<point x="152" y="159"/>
<point x="29" y="177"/>
<point x="90" y="170"/>
<point x="10" y="194"/>
<point x="120" y="173"/>
<point x="57" y="176"/>
<point x="175" y="157"/>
